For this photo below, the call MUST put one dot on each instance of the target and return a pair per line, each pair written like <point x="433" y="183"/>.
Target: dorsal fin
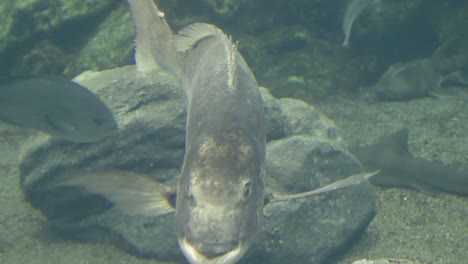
<point x="188" y="37"/>
<point x="232" y="61"/>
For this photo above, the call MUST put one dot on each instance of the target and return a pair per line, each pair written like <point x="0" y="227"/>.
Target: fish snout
<point x="213" y="235"/>
<point x="214" y="250"/>
<point x="200" y="252"/>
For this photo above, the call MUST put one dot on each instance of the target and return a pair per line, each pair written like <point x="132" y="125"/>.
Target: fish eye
<point x="247" y="190"/>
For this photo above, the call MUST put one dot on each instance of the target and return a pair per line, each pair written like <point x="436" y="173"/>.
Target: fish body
<point x="220" y="191"/>
<point x="56" y="106"/>
<point x="400" y="169"/>
<point x="421" y="77"/>
<point x="353" y="10"/>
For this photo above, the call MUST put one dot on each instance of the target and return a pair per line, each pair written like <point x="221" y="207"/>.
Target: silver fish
<point x="220" y="194"/>
<point x="56" y="106"/>
<point x="220" y="191"/>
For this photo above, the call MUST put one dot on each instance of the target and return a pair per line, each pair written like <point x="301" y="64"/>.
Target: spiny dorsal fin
<point x="188" y="37"/>
<point x="232" y="56"/>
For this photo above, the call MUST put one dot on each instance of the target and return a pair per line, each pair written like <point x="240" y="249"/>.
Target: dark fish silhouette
<point x="400" y="169"/>
<point x="421" y="77"/>
<point x="56" y="106"/>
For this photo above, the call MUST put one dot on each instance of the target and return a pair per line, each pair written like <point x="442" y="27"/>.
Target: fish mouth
<point x="211" y="253"/>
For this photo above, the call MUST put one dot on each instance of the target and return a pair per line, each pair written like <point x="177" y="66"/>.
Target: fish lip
<point x="196" y="257"/>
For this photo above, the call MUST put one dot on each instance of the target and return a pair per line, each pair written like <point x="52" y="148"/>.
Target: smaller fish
<point x="421" y="77"/>
<point x="353" y="10"/>
<point x="400" y="169"/>
<point x="56" y="106"/>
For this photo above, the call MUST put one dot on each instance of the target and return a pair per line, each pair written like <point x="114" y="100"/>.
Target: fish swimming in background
<point x="353" y="10"/>
<point x="220" y="194"/>
<point x="423" y="77"/>
<point x="56" y="106"/>
<point x="400" y="169"/>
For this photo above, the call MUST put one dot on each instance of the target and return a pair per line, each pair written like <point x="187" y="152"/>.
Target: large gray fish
<point x="220" y="199"/>
<point x="220" y="191"/>
<point x="56" y="106"/>
<point x="423" y="77"/>
<point x="220" y="194"/>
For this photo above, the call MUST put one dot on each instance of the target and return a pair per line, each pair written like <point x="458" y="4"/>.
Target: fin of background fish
<point x="153" y="38"/>
<point x="131" y="193"/>
<point x="353" y="10"/>
<point x="450" y="62"/>
<point x="56" y="106"/>
<point x="451" y="56"/>
<point x="350" y="181"/>
<point x="449" y="96"/>
<point x="143" y="29"/>
<point x="400" y="169"/>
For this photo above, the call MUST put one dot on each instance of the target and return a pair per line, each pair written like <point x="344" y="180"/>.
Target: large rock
<point x="39" y="36"/>
<point x="303" y="153"/>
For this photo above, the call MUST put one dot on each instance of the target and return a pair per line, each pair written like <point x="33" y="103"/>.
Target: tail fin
<point x="153" y="36"/>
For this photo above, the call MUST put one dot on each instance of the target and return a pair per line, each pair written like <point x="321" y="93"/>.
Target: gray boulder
<point x="304" y="152"/>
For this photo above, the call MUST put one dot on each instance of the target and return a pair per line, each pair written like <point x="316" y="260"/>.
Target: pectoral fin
<point x="132" y="193"/>
<point x="351" y="180"/>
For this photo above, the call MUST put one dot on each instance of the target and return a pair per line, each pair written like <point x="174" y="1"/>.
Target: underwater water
<point x="294" y="49"/>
